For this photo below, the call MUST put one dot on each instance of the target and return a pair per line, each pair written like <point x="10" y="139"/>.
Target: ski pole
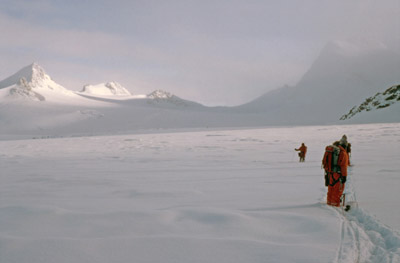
<point x="344" y="200"/>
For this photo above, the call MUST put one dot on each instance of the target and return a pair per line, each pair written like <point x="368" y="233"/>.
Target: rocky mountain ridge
<point x="379" y="101"/>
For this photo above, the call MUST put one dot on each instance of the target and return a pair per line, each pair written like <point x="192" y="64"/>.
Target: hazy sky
<point x="219" y="52"/>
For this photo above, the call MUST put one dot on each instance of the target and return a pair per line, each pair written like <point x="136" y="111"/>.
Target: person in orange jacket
<point x="302" y="152"/>
<point x="347" y="147"/>
<point x="337" y="180"/>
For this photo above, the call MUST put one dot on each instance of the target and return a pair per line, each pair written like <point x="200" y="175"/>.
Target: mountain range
<point x="342" y="76"/>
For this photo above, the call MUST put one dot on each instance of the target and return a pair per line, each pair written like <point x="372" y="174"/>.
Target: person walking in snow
<point x="336" y="177"/>
<point x="349" y="151"/>
<point x="302" y="152"/>
<point x="344" y="141"/>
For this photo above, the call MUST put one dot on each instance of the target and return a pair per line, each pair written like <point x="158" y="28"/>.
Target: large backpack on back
<point x="330" y="162"/>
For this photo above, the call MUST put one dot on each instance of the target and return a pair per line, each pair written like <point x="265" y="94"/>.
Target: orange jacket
<point x="302" y="149"/>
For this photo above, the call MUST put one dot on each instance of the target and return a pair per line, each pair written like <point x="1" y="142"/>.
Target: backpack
<point x="330" y="162"/>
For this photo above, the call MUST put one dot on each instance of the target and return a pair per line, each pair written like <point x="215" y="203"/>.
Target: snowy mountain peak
<point x="161" y="97"/>
<point x="379" y="101"/>
<point x="106" y="89"/>
<point x="32" y="82"/>
<point x="160" y="94"/>
<point x="34" y="75"/>
<point x="38" y="73"/>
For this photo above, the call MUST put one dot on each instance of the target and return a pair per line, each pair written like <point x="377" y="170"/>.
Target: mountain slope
<point x="341" y="77"/>
<point x="389" y="100"/>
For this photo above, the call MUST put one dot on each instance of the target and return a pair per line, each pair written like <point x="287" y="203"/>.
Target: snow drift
<point x="221" y="196"/>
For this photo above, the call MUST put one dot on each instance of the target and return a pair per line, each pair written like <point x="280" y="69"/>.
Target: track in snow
<point x="363" y="237"/>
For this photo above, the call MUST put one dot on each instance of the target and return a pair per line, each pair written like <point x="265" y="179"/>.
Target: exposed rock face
<point x="379" y="101"/>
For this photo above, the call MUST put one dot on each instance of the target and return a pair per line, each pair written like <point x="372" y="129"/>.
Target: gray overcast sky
<point x="221" y="52"/>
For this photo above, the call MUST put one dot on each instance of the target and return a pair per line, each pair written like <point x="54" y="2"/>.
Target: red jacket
<point x="302" y="149"/>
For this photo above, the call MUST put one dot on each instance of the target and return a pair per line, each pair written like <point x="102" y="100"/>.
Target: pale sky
<point x="220" y="52"/>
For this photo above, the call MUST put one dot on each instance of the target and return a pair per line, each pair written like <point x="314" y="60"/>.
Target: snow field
<point x="210" y="196"/>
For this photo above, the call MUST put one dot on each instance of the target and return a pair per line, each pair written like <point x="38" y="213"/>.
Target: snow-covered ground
<point x="205" y="196"/>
